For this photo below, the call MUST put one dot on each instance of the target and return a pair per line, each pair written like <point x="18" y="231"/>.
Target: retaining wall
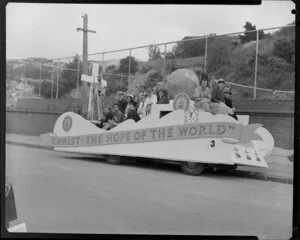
<point x="30" y="123"/>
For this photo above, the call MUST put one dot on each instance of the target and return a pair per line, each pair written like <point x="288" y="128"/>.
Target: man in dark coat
<point x="122" y="103"/>
<point x="228" y="102"/>
<point x="217" y="94"/>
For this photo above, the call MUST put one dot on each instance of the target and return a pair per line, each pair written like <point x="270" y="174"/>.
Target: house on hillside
<point x="24" y="86"/>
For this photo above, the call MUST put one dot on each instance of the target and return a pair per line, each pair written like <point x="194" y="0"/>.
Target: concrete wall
<point x="263" y="105"/>
<point x="63" y="105"/>
<point x="280" y="126"/>
<point x="49" y="105"/>
<point x="30" y="123"/>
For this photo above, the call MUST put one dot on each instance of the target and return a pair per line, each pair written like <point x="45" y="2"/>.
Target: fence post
<point x="122" y="82"/>
<point x="103" y="68"/>
<point x="205" y="56"/>
<point x="256" y="58"/>
<point x="129" y="61"/>
<point x="165" y="61"/>
<point x="52" y="82"/>
<point x="23" y="80"/>
<point x="40" y="80"/>
<point x="78" y="69"/>
<point x="58" y="69"/>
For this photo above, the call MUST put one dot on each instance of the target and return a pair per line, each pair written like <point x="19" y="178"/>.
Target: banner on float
<point x="236" y="131"/>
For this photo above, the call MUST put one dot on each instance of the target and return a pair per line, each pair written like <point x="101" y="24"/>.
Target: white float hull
<point x="203" y="147"/>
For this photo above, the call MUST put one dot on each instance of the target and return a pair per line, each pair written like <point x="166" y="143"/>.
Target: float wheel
<point x="192" y="168"/>
<point x="115" y="160"/>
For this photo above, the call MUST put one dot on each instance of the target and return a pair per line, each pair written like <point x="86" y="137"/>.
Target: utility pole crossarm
<point x="81" y="29"/>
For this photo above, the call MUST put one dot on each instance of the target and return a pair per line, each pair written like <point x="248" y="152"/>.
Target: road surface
<point x="67" y="193"/>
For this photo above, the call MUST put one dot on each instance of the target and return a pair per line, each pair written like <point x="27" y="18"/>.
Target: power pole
<point x="85" y="89"/>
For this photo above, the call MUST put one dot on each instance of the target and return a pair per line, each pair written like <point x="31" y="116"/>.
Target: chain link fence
<point x="250" y="68"/>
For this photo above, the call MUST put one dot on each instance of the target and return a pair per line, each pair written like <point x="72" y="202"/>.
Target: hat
<point x="162" y="89"/>
<point x="221" y="80"/>
<point x="149" y="90"/>
<point x="120" y="92"/>
<point x="227" y="90"/>
<point x="204" y="76"/>
<point x="129" y="95"/>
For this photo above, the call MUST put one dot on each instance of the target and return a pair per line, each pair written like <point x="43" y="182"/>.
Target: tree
<point x="193" y="48"/>
<point x="111" y="69"/>
<point x="284" y="48"/>
<point x="219" y="53"/>
<point x="153" y="78"/>
<point x="68" y="80"/>
<point x="251" y="36"/>
<point x="170" y="55"/>
<point x="154" y="53"/>
<point x="172" y="66"/>
<point x="124" y="65"/>
<point x="287" y="32"/>
<point x="116" y="83"/>
<point x="46" y="88"/>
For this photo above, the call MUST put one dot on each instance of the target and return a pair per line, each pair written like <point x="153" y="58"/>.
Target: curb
<point x="235" y="173"/>
<point x="32" y="145"/>
<point x="260" y="176"/>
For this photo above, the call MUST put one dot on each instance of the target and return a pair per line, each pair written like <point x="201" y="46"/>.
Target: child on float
<point x="162" y="96"/>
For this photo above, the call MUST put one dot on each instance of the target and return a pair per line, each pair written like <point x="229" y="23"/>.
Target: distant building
<point x="22" y="85"/>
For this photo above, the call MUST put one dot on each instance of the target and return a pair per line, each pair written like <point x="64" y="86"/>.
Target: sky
<point x="49" y="30"/>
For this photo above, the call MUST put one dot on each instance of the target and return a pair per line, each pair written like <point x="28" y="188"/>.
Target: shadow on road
<point x="157" y="165"/>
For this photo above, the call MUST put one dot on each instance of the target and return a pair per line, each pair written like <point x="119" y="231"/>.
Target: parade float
<point x="176" y="132"/>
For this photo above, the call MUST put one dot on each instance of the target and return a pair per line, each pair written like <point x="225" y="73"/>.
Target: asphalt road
<point x="67" y="193"/>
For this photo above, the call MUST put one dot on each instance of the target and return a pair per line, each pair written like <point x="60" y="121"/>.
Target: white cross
<point x="95" y="72"/>
<point x="91" y="79"/>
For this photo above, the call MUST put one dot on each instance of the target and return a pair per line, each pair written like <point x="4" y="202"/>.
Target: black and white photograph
<point x="150" y="119"/>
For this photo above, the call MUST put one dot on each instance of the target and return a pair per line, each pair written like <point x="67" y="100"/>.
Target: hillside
<point x="235" y="63"/>
<point x="232" y="61"/>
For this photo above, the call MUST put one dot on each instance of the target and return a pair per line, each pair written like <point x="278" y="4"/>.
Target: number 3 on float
<point x="212" y="143"/>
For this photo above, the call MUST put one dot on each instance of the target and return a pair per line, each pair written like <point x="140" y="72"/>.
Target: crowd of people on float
<point x="214" y="96"/>
<point x="133" y="107"/>
<point x="210" y="96"/>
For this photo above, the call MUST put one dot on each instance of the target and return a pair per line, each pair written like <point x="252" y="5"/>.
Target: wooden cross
<point x="92" y="80"/>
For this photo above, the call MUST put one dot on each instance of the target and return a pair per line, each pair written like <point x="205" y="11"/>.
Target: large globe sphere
<point x="182" y="80"/>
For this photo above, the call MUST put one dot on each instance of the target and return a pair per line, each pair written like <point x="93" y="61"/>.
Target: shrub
<point x="284" y="48"/>
<point x="153" y="78"/>
<point x="145" y="68"/>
